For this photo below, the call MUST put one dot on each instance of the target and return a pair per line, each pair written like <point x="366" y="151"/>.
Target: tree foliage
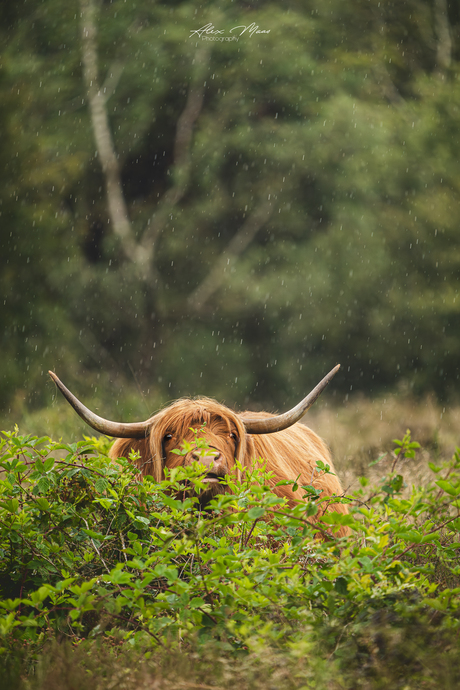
<point x="286" y="201"/>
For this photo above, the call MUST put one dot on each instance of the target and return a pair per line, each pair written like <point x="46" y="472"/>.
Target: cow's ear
<point x="123" y="447"/>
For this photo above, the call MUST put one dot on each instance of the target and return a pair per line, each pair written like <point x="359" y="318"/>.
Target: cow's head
<point x="190" y="431"/>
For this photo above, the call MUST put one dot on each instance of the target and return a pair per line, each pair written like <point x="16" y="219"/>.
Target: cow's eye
<point x="234" y="436"/>
<point x="168" y="437"/>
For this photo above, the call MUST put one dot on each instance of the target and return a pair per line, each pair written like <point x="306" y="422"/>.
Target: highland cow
<point x="290" y="450"/>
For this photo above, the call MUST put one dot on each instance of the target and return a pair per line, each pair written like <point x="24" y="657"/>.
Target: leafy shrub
<point x="90" y="552"/>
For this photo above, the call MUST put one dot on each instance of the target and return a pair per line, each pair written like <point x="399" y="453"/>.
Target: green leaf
<point x="48" y="464"/>
<point x="94" y="535"/>
<point x="119" y="577"/>
<point x="341" y="585"/>
<point x="411" y="536"/>
<point x="197" y="602"/>
<point x="142" y="519"/>
<point x="379" y="459"/>
<point x="101" y="485"/>
<point x="257" y="512"/>
<point x="106" y="503"/>
<point x="448" y="487"/>
<point x="39" y="465"/>
<point x="10" y="505"/>
<point x="43" y="485"/>
<point x="42" y="503"/>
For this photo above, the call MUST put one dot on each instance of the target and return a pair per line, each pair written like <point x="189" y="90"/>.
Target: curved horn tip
<point x="105" y="426"/>
<point x="283" y="421"/>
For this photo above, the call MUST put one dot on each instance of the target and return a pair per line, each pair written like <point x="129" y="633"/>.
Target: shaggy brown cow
<point x="290" y="449"/>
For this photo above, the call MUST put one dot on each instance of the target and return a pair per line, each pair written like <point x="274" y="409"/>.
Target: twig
<point x="182" y="157"/>
<point x="200" y="565"/>
<point x="112" y="79"/>
<point x="83" y="467"/>
<point x="444" y="42"/>
<point x="123" y="545"/>
<point x="315" y="525"/>
<point x="435" y="529"/>
<point x="143" y="627"/>
<point x="250" y="532"/>
<point x="95" y="547"/>
<point x="197" y="686"/>
<point x="237" y="245"/>
<point x="207" y="614"/>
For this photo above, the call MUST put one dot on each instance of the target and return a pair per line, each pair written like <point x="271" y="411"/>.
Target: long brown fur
<point x="287" y="454"/>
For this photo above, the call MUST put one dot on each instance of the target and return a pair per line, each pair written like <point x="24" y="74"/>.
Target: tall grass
<point x="361" y="430"/>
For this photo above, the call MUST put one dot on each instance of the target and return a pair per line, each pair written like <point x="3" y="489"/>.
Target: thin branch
<point x="207" y="614"/>
<point x="200" y="565"/>
<point x="108" y="87"/>
<point x="250" y="532"/>
<point x="327" y="535"/>
<point x="411" y="546"/>
<point x="191" y="112"/>
<point x="123" y="545"/>
<point x="182" y="157"/>
<point x="387" y="88"/>
<point x="197" y="686"/>
<point x="111" y="81"/>
<point x="221" y="268"/>
<point x="95" y="547"/>
<point x="444" y="42"/>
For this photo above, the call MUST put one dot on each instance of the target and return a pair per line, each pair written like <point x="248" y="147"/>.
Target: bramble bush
<point x="93" y="554"/>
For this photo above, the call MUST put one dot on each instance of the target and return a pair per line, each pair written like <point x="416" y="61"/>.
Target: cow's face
<point x="213" y="445"/>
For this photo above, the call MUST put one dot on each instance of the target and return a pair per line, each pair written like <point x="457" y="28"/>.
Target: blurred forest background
<point x="183" y="216"/>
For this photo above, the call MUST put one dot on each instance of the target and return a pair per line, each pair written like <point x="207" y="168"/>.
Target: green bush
<point x="93" y="554"/>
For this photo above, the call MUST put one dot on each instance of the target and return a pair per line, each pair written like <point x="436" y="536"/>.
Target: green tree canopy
<point x="229" y="217"/>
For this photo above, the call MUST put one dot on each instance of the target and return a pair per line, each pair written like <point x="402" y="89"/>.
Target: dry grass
<point x="387" y="652"/>
<point x="99" y="667"/>
<point x="361" y="430"/>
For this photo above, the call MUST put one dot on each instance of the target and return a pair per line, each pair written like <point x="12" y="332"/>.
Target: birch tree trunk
<point x="118" y="212"/>
<point x="142" y="252"/>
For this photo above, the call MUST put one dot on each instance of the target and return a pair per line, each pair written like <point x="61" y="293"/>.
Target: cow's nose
<point x="209" y="461"/>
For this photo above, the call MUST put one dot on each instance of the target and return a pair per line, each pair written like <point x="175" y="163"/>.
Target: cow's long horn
<point x="283" y="421"/>
<point x="117" y="429"/>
